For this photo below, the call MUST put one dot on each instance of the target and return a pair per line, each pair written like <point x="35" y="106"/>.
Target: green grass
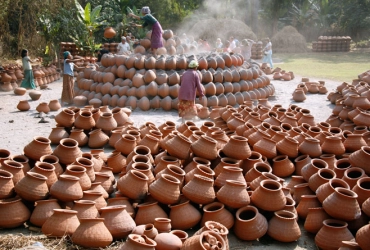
<point x="339" y="66"/>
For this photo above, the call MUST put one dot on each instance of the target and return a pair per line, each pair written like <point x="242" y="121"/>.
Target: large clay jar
<point x="23" y="105"/>
<point x="38" y="147"/>
<point x="362" y="189"/>
<point x="67" y="188"/>
<point x="333" y="145"/>
<point x="249" y="223"/>
<point x="283" y="227"/>
<point x="205" y="147"/>
<point x="199" y="190"/>
<point x="179" y="147"/>
<point x="165" y="189"/>
<point x="306" y="202"/>
<point x="117" y="220"/>
<point x="321" y="177"/>
<point x="311" y="147"/>
<point x="97" y="139"/>
<point x="126" y="144"/>
<point x="184" y="215"/>
<point x="95" y="196"/>
<point x="313" y="167"/>
<point x="32" y="187"/>
<point x="92" y="233"/>
<point x="52" y="159"/>
<point x="205" y="240"/>
<point x="80" y="172"/>
<point x="85" y="209"/>
<point x="43" y="210"/>
<point x="234" y="194"/>
<point x="269" y="196"/>
<point x="229" y="173"/>
<point x="147" y="213"/>
<point x="106" y="122"/>
<point x="84" y="120"/>
<point x="362" y="237"/>
<point x="66" y="220"/>
<point x="116" y="161"/>
<point x="332" y="233"/>
<point x="65" y="118"/>
<point x="237" y="147"/>
<point x="282" y="166"/>
<point x="328" y="188"/>
<point x="14" y="168"/>
<point x="47" y="170"/>
<point x="354" y="142"/>
<point x="342" y="204"/>
<point x="67" y="151"/>
<point x="314" y="219"/>
<point x="288" y="146"/>
<point x="136" y="241"/>
<point x="216" y="211"/>
<point x="13" y="213"/>
<point x="360" y="158"/>
<point x="133" y="185"/>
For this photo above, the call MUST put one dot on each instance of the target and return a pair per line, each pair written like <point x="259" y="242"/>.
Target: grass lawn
<point x="339" y="66"/>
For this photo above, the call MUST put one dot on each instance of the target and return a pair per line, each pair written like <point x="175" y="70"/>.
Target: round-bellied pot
<point x="67" y="151"/>
<point x="216" y="211"/>
<point x="360" y="158"/>
<point x="332" y="233"/>
<point x="184" y="215"/>
<point x="67" y="188"/>
<point x="283" y="227"/>
<point x="92" y="233"/>
<point x="205" y="240"/>
<point x="269" y="196"/>
<point x="43" y="210"/>
<point x="13" y="213"/>
<point x="249" y="223"/>
<point x="136" y="241"/>
<point x="32" y="187"/>
<point x="38" y="147"/>
<point x="66" y="220"/>
<point x="117" y="220"/>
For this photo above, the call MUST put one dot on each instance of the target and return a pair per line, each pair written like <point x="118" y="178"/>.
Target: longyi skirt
<point x="68" y="91"/>
<point x="187" y="109"/>
<point x="156" y="39"/>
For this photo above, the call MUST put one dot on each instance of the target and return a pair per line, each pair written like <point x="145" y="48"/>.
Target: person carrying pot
<point x="150" y="21"/>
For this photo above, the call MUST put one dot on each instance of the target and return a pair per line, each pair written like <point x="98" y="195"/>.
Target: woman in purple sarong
<point x="150" y="21"/>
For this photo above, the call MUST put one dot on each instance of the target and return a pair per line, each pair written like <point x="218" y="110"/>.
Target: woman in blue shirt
<point x="150" y="21"/>
<point x="68" y="66"/>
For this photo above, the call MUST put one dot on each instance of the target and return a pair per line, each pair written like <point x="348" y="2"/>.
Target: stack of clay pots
<point x="279" y="74"/>
<point x="257" y="50"/>
<point x="146" y="82"/>
<point x="332" y="43"/>
<point x="227" y="174"/>
<point x="307" y="86"/>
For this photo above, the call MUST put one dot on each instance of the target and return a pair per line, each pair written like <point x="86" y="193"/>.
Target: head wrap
<point x="145" y="10"/>
<point x="65" y="54"/>
<point x="193" y="64"/>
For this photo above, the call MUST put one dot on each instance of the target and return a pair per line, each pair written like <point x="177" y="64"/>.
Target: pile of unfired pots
<point x="227" y="174"/>
<point x="147" y="82"/>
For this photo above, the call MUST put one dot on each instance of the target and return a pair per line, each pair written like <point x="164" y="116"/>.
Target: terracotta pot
<point x="117" y="220"/>
<point x="306" y="202"/>
<point x="184" y="216"/>
<point x="151" y="142"/>
<point x="135" y="241"/>
<point x="67" y="151"/>
<point x="67" y="188"/>
<point x="333" y="145"/>
<point x="92" y="233"/>
<point x="65" y="118"/>
<point x="133" y="185"/>
<point x="47" y="170"/>
<point x="311" y="147"/>
<point x="314" y="219"/>
<point x="360" y="158"/>
<point x="321" y="177"/>
<point x="52" y="159"/>
<point x="179" y="146"/>
<point x="109" y="32"/>
<point x="273" y="190"/>
<point x="38" y="147"/>
<point x="95" y="196"/>
<point x="288" y="146"/>
<point x="328" y="188"/>
<point x="79" y="172"/>
<point x="340" y="166"/>
<point x="57" y="134"/>
<point x="362" y="237"/>
<point x="257" y="171"/>
<point x="85" y="209"/>
<point x="206" y="239"/>
<point x="199" y="190"/>
<point x="32" y="187"/>
<point x="14" y="168"/>
<point x="97" y="139"/>
<point x="283" y="227"/>
<point x="7" y="184"/>
<point x="332" y="233"/>
<point x="250" y="224"/>
<point x="237" y="148"/>
<point x="229" y="173"/>
<point x="282" y="166"/>
<point x="43" y="210"/>
<point x="147" y="212"/>
<point x="106" y="122"/>
<point x="163" y="225"/>
<point x="362" y="189"/>
<point x="66" y="220"/>
<point x="35" y="95"/>
<point x="126" y="144"/>
<point x="14" y="213"/>
<point x="23" y="105"/>
<point x="217" y="212"/>
<point x="313" y="167"/>
<point x="84" y="120"/>
<point x="165" y="189"/>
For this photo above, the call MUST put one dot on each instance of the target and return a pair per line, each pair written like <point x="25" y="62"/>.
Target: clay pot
<point x="257" y="170"/>
<point x="67" y="188"/>
<point x="32" y="187"/>
<point x="106" y="122"/>
<point x="35" y="95"/>
<point x="282" y="166"/>
<point x="47" y="170"/>
<point x="313" y="167"/>
<point x="65" y="118"/>
<point x="126" y="144"/>
<point x="23" y="105"/>
<point x="269" y="196"/>
<point x="84" y="120"/>
<point x="205" y="240"/>
<point x="237" y="147"/>
<point x="347" y="201"/>
<point x="184" y="216"/>
<point x="311" y="147"/>
<point x="250" y="224"/>
<point x="38" y="147"/>
<point x="14" y="168"/>
<point x="362" y="237"/>
<point x="333" y="145"/>
<point x="66" y="220"/>
<point x="6" y="184"/>
<point x="85" y="209"/>
<point x="362" y="189"/>
<point x="67" y="151"/>
<point x="43" y="210"/>
<point x="314" y="219"/>
<point x="199" y="190"/>
<point x="168" y="241"/>
<point x="179" y="147"/>
<point x="217" y="212"/>
<point x="79" y="136"/>
<point x="133" y="185"/>
<point x="233" y="194"/>
<point x="92" y="233"/>
<point x="306" y="202"/>
<point x="328" y="188"/>
<point x="288" y="146"/>
<point x="283" y="227"/>
<point x="165" y="189"/>
<point x="57" y="134"/>
<point x="136" y="241"/>
<point x="54" y="105"/>
<point x="321" y="177"/>
<point x="95" y="196"/>
<point x="352" y="175"/>
<point x="354" y="142"/>
<point x="14" y="213"/>
<point x="147" y="213"/>
<point x="79" y="172"/>
<point x="332" y="233"/>
<point x="340" y="167"/>
<point x="52" y="159"/>
<point x="360" y="158"/>
<point x="117" y="220"/>
<point x="97" y="138"/>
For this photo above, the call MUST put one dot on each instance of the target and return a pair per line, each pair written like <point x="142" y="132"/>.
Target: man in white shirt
<point x="232" y="44"/>
<point x="123" y="47"/>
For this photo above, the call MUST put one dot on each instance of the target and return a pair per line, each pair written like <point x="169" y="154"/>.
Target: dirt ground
<point x="18" y="129"/>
